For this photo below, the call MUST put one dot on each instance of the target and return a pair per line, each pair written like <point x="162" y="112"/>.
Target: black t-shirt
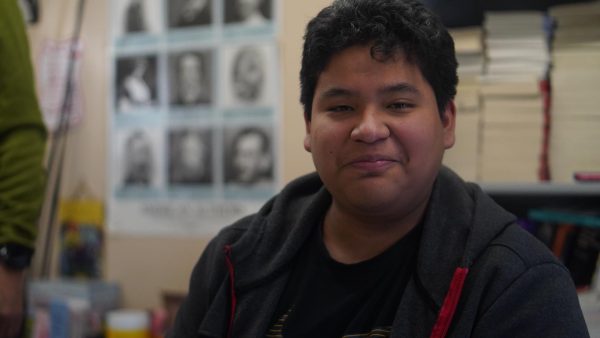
<point x="325" y="298"/>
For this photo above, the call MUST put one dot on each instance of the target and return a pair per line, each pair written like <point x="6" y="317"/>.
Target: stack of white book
<point x="575" y="129"/>
<point x="517" y="60"/>
<point x="464" y="156"/>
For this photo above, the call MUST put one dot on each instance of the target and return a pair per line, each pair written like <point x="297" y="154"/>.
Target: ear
<point x="449" y="124"/>
<point x="307" y="137"/>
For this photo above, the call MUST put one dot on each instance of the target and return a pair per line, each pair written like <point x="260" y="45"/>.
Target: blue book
<point x="59" y="319"/>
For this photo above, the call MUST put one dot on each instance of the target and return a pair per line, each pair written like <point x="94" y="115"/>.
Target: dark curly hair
<point x="390" y="26"/>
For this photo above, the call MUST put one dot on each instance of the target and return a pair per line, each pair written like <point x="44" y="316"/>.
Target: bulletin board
<point x="194" y="113"/>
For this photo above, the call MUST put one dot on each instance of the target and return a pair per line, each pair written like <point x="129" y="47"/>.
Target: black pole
<point x="59" y="141"/>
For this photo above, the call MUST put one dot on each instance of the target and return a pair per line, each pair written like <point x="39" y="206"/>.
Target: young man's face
<point x="376" y="136"/>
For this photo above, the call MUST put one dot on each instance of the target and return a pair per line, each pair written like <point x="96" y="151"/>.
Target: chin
<point x="373" y="198"/>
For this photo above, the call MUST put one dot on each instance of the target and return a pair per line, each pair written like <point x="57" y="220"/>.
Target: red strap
<point x="231" y="289"/>
<point x="450" y="302"/>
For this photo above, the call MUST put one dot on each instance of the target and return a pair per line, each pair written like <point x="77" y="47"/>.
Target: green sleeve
<point x="22" y="133"/>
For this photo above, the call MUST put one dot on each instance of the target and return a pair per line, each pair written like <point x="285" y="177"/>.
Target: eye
<point x="400" y="106"/>
<point x="340" y="109"/>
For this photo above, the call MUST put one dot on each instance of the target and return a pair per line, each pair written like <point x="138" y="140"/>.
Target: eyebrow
<point x="401" y="87"/>
<point x="337" y="92"/>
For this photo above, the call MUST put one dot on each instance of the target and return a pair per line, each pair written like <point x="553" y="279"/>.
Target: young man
<point x="383" y="241"/>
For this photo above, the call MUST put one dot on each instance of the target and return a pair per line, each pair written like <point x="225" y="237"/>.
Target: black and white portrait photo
<point x="249" y="156"/>
<point x="137" y="17"/>
<point x="136" y="82"/>
<point x="189" y="13"/>
<point x="30" y="9"/>
<point x="138" y="159"/>
<point x="249" y="76"/>
<point x="248" y="12"/>
<point x="190" y="156"/>
<point x="190" y="78"/>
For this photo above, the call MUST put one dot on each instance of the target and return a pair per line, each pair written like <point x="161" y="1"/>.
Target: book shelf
<point x="564" y="216"/>
<point x="519" y="198"/>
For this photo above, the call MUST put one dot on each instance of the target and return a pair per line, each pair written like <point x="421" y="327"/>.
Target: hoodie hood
<point x="265" y="248"/>
<point x="459" y="223"/>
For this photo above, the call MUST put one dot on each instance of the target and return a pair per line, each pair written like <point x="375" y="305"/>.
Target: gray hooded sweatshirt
<point x="478" y="273"/>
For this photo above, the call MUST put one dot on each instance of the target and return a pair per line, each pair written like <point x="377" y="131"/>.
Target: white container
<point x="128" y="324"/>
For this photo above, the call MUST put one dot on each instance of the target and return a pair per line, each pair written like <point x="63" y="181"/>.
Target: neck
<point x="351" y="238"/>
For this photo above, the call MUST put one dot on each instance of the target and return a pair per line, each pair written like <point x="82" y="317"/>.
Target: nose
<point x="370" y="128"/>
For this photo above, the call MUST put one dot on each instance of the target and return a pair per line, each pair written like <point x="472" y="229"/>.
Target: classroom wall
<point x="146" y="266"/>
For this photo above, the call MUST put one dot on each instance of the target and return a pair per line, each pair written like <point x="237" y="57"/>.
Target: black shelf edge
<point x="542" y="188"/>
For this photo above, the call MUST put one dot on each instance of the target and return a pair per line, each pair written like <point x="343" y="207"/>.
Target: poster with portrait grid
<point x="194" y="112"/>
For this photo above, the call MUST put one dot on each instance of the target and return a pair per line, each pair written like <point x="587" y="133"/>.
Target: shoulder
<point x="516" y="263"/>
<point x="230" y="234"/>
<point x="279" y="219"/>
<point x="515" y="251"/>
<point x="518" y="250"/>
<point x="524" y="290"/>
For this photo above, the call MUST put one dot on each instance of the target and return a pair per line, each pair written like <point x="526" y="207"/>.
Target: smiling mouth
<point x="372" y="163"/>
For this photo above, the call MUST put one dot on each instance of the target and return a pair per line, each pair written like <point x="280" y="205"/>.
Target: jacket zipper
<point x="442" y="324"/>
<point x="233" y="298"/>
